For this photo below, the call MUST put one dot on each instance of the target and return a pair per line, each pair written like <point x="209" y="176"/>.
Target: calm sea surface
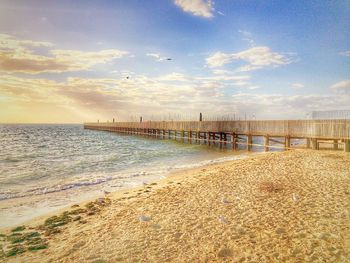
<point x="44" y="167"/>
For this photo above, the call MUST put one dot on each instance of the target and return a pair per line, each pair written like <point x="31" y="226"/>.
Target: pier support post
<point x="221" y="138"/>
<point x="287" y="142"/>
<point x="267" y="143"/>
<point x="308" y="143"/>
<point x="335" y="144"/>
<point x="190" y="137"/>
<point x="314" y="144"/>
<point x="249" y="142"/>
<point x="233" y="141"/>
<point x="347" y="146"/>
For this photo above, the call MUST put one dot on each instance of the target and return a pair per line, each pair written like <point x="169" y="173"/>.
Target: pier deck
<point x="316" y="132"/>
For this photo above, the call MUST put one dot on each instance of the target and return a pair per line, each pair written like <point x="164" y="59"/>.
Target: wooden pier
<point x="317" y="133"/>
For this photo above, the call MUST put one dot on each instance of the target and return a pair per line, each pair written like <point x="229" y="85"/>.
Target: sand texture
<point x="276" y="207"/>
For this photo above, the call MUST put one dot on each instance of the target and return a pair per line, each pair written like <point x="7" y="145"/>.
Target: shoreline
<point x="94" y="195"/>
<point x="226" y="209"/>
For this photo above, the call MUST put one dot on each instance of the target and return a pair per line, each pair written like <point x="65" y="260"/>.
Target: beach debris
<point x="76" y="218"/>
<point x="100" y="200"/>
<point x="106" y="192"/>
<point x="15" y="238"/>
<point x="225" y="252"/>
<point x="15" y="250"/>
<point x="144" y="218"/>
<point x="21" y="239"/>
<point x="223" y="220"/>
<point x="225" y="201"/>
<point x="280" y="231"/>
<point x="295" y="197"/>
<point x="37" y="247"/>
<point x="19" y="242"/>
<point x="18" y="229"/>
<point x="56" y="221"/>
<point x="90" y="213"/>
<point x="77" y="211"/>
<point x="270" y="187"/>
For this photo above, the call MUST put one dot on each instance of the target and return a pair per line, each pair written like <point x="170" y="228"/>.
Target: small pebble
<point x="295" y="197"/>
<point x="225" y="201"/>
<point x="144" y="218"/>
<point x="223" y="220"/>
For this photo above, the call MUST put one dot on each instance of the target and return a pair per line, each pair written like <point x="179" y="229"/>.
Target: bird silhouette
<point x="168" y="59"/>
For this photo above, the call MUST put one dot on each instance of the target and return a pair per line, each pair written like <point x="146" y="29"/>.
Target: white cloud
<point x="218" y="59"/>
<point x="345" y="53"/>
<point x="16" y="56"/>
<point x="174" y="76"/>
<point x="9" y="43"/>
<point x="297" y="85"/>
<point x="157" y="57"/>
<point x="153" y="55"/>
<point x="221" y="71"/>
<point x="225" y="78"/>
<point x="256" y="57"/>
<point x="202" y="8"/>
<point x="342" y="87"/>
<point x="247" y="36"/>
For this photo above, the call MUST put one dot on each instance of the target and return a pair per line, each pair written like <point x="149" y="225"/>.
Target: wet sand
<point x="276" y="207"/>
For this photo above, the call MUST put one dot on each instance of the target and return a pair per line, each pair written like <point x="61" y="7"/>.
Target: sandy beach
<point x="292" y="206"/>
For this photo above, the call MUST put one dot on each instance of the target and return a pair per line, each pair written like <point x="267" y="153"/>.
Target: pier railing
<point x="314" y="130"/>
<point x="322" y="129"/>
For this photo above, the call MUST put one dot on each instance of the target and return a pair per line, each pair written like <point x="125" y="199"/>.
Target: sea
<point x="45" y="167"/>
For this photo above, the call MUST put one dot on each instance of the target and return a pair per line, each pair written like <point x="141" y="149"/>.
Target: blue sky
<point x="74" y="61"/>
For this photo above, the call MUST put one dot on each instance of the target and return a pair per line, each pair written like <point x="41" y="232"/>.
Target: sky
<point x="80" y="61"/>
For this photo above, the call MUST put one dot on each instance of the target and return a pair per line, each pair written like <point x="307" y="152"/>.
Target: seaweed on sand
<point x="15" y="251"/>
<point x="18" y="229"/>
<point x="56" y="221"/>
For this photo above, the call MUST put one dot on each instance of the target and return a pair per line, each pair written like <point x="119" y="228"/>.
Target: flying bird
<point x="168" y="59"/>
<point x="127" y="77"/>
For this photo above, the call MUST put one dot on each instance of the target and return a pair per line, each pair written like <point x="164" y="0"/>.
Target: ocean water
<point x="45" y="167"/>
